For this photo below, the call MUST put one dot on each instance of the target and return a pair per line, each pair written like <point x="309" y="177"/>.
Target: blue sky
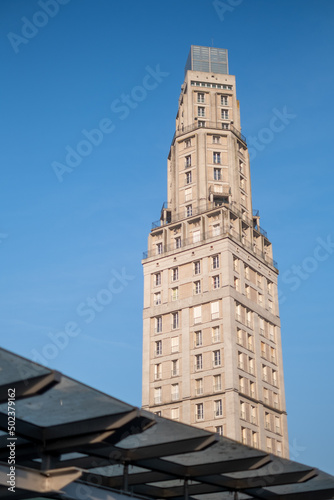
<point x="62" y="243"/>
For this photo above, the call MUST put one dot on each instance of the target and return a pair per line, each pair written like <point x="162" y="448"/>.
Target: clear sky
<point x="72" y="224"/>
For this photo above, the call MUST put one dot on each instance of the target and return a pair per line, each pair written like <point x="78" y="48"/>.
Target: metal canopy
<point x="74" y="442"/>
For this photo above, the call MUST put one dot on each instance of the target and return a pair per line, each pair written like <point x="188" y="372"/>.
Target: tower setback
<point x="212" y="353"/>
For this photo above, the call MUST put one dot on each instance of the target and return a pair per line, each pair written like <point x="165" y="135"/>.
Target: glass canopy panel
<point x="14" y="368"/>
<point x="68" y="401"/>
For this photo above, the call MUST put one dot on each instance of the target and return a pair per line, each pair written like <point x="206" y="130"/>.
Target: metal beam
<point x="168" y="449"/>
<point x="259" y="481"/>
<point x="316" y="494"/>
<point x="39" y="481"/>
<point x="78" y="491"/>
<point x="23" y="429"/>
<point x="176" y="491"/>
<point x="32" y="386"/>
<point x="133" y="479"/>
<point x="224" y="467"/>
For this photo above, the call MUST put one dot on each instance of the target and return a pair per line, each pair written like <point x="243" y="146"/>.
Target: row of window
<point x="215" y="336"/>
<point x="252" y="294"/>
<point x="216" y="360"/>
<point x="175" y="392"/>
<point x="246" y="363"/>
<point x="217" y="176"/>
<point x="215" y="140"/>
<point x="202" y="124"/>
<point x="216" y="158"/>
<point x="211" y="85"/>
<point x="249" y="437"/>
<point x="217" y="410"/>
<point x="248" y="412"/>
<point x="245" y="339"/>
<point x="217" y="385"/>
<point x="215" y="264"/>
<point x="253" y="276"/>
<point x="269" y="375"/>
<point x="174" y="372"/>
<point x="197" y="289"/>
<point x="268" y="352"/>
<point x="224" y="99"/>
<point x="248" y="387"/>
<point x="243" y="315"/>
<point x="197" y="316"/>
<point x="224" y="113"/>
<point x="174" y="322"/>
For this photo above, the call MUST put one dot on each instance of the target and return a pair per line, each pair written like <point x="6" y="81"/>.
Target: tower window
<point x="157" y="299"/>
<point x="224" y="100"/>
<point x="187" y="161"/>
<point x="188" y="178"/>
<point x="196" y="236"/>
<point x="158" y="324"/>
<point x="157" y="279"/>
<point x="215" y="139"/>
<point x="198" y="338"/>
<point x="175" y="274"/>
<point x="199" y="386"/>
<point x="216" y="358"/>
<point x="215" y="310"/>
<point x="200" y="97"/>
<point x="201" y="123"/>
<point x="158" y="348"/>
<point x="217" y="174"/>
<point x="201" y="111"/>
<point x="189" y="210"/>
<point x="197" y="287"/>
<point x="218" y="408"/>
<point x="215" y="334"/>
<point x="215" y="262"/>
<point x="199" y="411"/>
<point x="215" y="282"/>
<point x="224" y="114"/>
<point x="178" y="242"/>
<point x="216" y="157"/>
<point x="197" y="314"/>
<point x="188" y="194"/>
<point x="217" y="383"/>
<point x="197" y="267"/>
<point x="175" y="368"/>
<point x="175" y="320"/>
<point x="175" y="344"/>
<point x="157" y="395"/>
<point x="199" y="362"/>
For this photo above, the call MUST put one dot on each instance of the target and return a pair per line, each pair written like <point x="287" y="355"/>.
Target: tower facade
<point x="212" y="353"/>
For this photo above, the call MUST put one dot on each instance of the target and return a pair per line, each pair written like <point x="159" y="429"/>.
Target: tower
<point x="212" y="353"/>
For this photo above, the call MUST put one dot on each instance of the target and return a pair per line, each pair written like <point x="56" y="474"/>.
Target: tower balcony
<point x="218" y="190"/>
<point x="200" y="124"/>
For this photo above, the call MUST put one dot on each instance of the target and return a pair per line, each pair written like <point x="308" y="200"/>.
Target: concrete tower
<point x="212" y="352"/>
